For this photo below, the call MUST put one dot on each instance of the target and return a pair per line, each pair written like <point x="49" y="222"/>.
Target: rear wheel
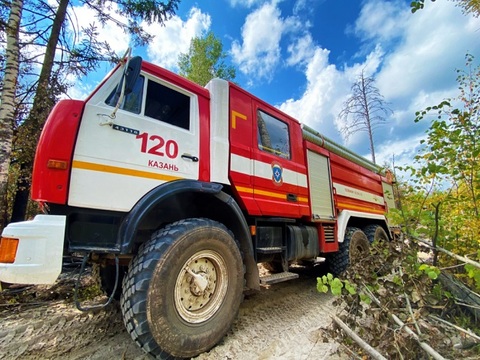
<point x="375" y="233"/>
<point x="183" y="289"/>
<point x="355" y="246"/>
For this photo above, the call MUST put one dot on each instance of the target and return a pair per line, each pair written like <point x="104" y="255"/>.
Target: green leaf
<point x="366" y="299"/>
<point x="351" y="289"/>
<point x="336" y="286"/>
<point x="423" y="267"/>
<point x="322" y="288"/>
<point x="397" y="280"/>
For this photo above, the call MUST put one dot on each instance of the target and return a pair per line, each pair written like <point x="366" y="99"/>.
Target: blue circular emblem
<point x="277" y="173"/>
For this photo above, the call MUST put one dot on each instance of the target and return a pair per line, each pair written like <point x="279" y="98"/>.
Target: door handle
<point x="190" y="157"/>
<point x="292" y="197"/>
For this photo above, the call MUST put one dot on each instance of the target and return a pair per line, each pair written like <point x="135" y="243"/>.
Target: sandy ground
<point x="283" y="321"/>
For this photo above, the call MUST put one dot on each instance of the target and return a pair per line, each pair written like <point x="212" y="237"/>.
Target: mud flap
<point x="38" y="259"/>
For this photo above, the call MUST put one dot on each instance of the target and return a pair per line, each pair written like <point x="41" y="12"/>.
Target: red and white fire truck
<point x="181" y="191"/>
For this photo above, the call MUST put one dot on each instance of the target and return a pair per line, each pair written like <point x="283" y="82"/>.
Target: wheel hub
<point x="200" y="283"/>
<point x="200" y="287"/>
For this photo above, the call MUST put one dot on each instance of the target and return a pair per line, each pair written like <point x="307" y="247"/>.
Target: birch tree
<point x="81" y="57"/>
<point x="7" y="101"/>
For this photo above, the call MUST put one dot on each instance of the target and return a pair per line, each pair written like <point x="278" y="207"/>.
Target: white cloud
<point x="299" y="6"/>
<point x="108" y="32"/>
<point x="327" y="88"/>
<point x="434" y="43"/>
<point x="399" y="151"/>
<point x="245" y="3"/>
<point x="174" y="37"/>
<point x="320" y="79"/>
<point x="414" y="59"/>
<point x="382" y="20"/>
<point x="301" y="50"/>
<point x="81" y="90"/>
<point x="259" y="53"/>
<point x="169" y="41"/>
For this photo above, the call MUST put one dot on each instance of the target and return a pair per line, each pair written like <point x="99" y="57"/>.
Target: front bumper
<point x="39" y="255"/>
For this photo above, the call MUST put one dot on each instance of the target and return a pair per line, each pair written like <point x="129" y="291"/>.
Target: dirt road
<point x="284" y="321"/>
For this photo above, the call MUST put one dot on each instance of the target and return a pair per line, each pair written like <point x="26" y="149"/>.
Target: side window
<point x="273" y="136"/>
<point x="167" y="105"/>
<point x="131" y="102"/>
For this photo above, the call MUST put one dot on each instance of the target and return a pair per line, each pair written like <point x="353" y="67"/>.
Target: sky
<point x="303" y="57"/>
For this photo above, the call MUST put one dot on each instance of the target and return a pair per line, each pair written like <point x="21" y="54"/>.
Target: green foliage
<point x="474" y="274"/>
<point x="89" y="292"/>
<point x="148" y="10"/>
<point x="335" y="285"/>
<point x="468" y="6"/>
<point x="205" y="60"/>
<point x="432" y="271"/>
<point x="392" y="280"/>
<point x="441" y="200"/>
<point x="417" y="5"/>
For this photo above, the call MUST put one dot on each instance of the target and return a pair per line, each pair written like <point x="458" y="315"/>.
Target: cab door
<point x="280" y="182"/>
<point x="151" y="139"/>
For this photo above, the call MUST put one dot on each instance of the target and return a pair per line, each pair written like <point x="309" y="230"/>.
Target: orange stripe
<point x="121" y="171"/>
<point x="345" y="206"/>
<point x="271" y="194"/>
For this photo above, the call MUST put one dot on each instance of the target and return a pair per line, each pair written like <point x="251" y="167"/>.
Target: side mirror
<point x="131" y="73"/>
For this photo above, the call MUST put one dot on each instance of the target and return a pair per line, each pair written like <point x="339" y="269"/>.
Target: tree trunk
<point x="7" y="102"/>
<point x="435" y="235"/>
<point x="19" y="210"/>
<point x="368" y="121"/>
<point x="462" y="293"/>
<point x="43" y="102"/>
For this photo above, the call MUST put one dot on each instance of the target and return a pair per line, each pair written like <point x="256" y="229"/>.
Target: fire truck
<point x="179" y="191"/>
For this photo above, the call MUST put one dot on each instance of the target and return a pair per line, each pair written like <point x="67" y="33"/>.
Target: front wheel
<point x="184" y="288"/>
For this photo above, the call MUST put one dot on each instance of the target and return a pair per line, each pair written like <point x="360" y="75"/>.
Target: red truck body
<point x="139" y="172"/>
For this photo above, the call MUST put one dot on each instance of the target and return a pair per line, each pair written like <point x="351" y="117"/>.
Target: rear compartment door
<point x="153" y="138"/>
<point x="321" y="193"/>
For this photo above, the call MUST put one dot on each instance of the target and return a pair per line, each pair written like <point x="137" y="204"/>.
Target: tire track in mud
<point x="283" y="321"/>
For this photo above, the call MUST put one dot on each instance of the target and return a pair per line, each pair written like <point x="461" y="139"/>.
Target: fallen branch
<point x="409" y="306"/>
<point x="352" y="354"/>
<point x="458" y="257"/>
<point x="373" y="353"/>
<point x="463" y="295"/>
<point x="423" y="345"/>
<point x="467" y="332"/>
<point x="467" y="305"/>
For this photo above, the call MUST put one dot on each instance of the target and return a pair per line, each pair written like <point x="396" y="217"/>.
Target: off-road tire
<point x="355" y="245"/>
<point x="163" y="321"/>
<point x="375" y="233"/>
